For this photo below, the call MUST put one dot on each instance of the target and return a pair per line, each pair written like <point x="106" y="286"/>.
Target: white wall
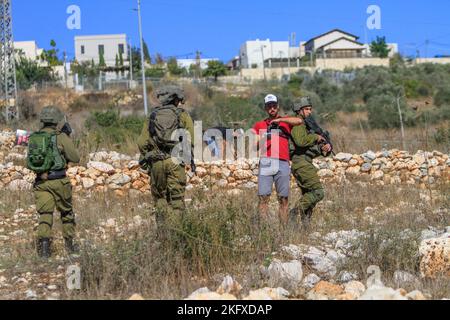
<point x="252" y="52"/>
<point x="29" y="49"/>
<point x="91" y="43"/>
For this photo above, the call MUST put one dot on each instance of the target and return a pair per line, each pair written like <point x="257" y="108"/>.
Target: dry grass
<point x="219" y="236"/>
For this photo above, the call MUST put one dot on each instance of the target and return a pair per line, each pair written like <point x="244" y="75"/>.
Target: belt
<point x="51" y="175"/>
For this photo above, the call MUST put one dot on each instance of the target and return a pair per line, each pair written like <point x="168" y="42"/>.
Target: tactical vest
<point x="43" y="153"/>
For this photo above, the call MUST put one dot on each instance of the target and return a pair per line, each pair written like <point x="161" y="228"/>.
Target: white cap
<point x="270" y="98"/>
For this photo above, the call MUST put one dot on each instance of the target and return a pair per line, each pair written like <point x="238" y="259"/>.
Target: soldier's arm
<point x="188" y="124"/>
<point x="302" y="138"/>
<point x="143" y="140"/>
<point x="69" y="150"/>
<point x="292" y="121"/>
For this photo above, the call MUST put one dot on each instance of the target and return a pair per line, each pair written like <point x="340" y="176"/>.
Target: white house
<point x="340" y="44"/>
<point x="28" y="49"/>
<point x="88" y="48"/>
<point x="254" y="53"/>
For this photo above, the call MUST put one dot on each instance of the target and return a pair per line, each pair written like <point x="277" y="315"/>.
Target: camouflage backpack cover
<point x="43" y="153"/>
<point x="163" y="122"/>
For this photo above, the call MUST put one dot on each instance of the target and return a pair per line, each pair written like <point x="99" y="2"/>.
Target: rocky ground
<point x="381" y="233"/>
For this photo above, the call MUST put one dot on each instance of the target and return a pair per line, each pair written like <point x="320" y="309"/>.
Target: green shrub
<point x="442" y="97"/>
<point x="383" y="112"/>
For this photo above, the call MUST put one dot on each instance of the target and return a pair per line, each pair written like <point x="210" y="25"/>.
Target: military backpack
<point x="163" y="122"/>
<point x="43" y="153"/>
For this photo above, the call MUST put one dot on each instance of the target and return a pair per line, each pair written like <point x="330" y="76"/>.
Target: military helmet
<point x="51" y="115"/>
<point x="168" y="94"/>
<point x="302" y="103"/>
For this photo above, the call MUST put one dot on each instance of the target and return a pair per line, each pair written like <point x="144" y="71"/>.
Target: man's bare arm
<point x="292" y="121"/>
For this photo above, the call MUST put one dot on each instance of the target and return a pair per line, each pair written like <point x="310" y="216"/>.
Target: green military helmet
<point x="302" y="103"/>
<point x="167" y="94"/>
<point x="51" y="115"/>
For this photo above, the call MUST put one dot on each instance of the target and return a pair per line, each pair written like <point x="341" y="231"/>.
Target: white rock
<point x="286" y="274"/>
<point x="101" y="166"/>
<point x="310" y="280"/>
<point x="415" y="295"/>
<point x="370" y="155"/>
<point x="87" y="183"/>
<point x="230" y="286"/>
<point x="268" y="294"/>
<point x="317" y="260"/>
<point x="381" y="293"/>
<point x="119" y="179"/>
<point x="345" y="157"/>
<point x="20" y="185"/>
<point x="346" y="276"/>
<point x="325" y="173"/>
<point x="30" y="294"/>
<point x="52" y="287"/>
<point x="354" y="287"/>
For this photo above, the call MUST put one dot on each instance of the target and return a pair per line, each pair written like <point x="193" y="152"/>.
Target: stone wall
<point x="121" y="173"/>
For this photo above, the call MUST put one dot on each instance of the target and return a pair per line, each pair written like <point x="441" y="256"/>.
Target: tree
<point x="147" y="56"/>
<point x="117" y="61"/>
<point x="159" y="58"/>
<point x="121" y="59"/>
<point x="29" y="73"/>
<point x="379" y="48"/>
<point x="174" y="69"/>
<point x="51" y="56"/>
<point x="215" y="69"/>
<point x="102" y="62"/>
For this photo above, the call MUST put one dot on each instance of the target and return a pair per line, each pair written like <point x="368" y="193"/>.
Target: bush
<point x="383" y="112"/>
<point x="442" y="97"/>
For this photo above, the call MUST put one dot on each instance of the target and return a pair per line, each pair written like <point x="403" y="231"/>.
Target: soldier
<point x="49" y="152"/>
<point x="156" y="145"/>
<point x="307" y="147"/>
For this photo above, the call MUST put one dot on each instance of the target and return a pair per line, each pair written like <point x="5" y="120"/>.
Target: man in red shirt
<point x="274" y="167"/>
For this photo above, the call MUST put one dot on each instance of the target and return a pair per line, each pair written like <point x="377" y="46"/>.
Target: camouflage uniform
<point x="57" y="193"/>
<point x="167" y="176"/>
<point x="305" y="173"/>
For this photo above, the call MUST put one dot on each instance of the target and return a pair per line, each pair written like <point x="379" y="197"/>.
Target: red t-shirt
<point x="283" y="142"/>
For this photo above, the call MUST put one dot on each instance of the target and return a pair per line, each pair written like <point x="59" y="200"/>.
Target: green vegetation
<point x="215" y="69"/>
<point x="379" y="48"/>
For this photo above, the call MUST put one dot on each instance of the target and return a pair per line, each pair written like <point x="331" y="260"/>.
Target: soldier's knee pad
<point x="67" y="217"/>
<point x="319" y="194"/>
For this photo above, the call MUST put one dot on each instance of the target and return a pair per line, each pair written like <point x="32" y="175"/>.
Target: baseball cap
<point x="270" y="98"/>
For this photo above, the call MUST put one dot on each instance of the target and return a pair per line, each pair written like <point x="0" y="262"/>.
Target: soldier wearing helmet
<point x="306" y="148"/>
<point x="52" y="188"/>
<point x="157" y="144"/>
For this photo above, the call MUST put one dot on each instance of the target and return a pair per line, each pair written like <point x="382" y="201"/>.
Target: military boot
<point x="71" y="248"/>
<point x="293" y="219"/>
<point x="306" y="219"/>
<point x="44" y="250"/>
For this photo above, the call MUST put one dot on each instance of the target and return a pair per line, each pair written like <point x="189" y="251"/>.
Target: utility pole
<point x="263" y="62"/>
<point x="144" y="85"/>
<point x="198" y="61"/>
<point x="401" y="122"/>
<point x="131" y="64"/>
<point x="8" y="83"/>
<point x="65" y="72"/>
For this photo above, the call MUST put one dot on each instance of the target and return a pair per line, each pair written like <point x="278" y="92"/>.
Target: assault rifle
<point x="67" y="129"/>
<point x="313" y="127"/>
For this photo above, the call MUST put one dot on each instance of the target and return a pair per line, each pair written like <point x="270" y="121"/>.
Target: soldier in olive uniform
<point x="307" y="147"/>
<point x="167" y="173"/>
<point x="53" y="189"/>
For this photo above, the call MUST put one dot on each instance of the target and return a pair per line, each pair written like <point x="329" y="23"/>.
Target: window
<point x="82" y="50"/>
<point x="121" y="49"/>
<point x="101" y="49"/>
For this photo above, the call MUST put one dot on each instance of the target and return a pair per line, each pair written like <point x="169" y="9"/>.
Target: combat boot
<point x="44" y="248"/>
<point x="71" y="248"/>
<point x="306" y="219"/>
<point x="293" y="219"/>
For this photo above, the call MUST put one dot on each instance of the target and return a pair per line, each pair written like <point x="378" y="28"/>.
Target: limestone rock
<point x="325" y="291"/>
<point x="435" y="257"/>
<point x="101" y="166"/>
<point x="286" y="274"/>
<point x="268" y="294"/>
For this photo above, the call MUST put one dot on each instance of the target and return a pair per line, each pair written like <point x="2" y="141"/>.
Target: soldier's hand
<point x="326" y="148"/>
<point x="320" y="138"/>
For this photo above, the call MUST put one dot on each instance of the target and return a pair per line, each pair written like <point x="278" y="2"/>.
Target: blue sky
<point x="218" y="28"/>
